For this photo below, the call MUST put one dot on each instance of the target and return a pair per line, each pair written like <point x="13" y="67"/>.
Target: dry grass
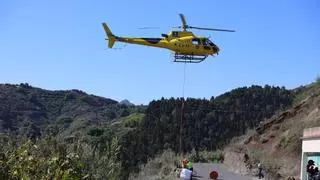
<point x="271" y="165"/>
<point x="308" y="91"/>
<point x="162" y="167"/>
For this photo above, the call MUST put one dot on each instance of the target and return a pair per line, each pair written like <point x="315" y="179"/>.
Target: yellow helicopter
<point x="186" y="46"/>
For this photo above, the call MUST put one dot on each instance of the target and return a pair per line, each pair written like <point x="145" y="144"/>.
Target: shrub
<point x="30" y="162"/>
<point x="69" y="96"/>
<point x="133" y="120"/>
<point x="54" y="159"/>
<point x="163" y="166"/>
<point x="212" y="156"/>
<point x="196" y="157"/>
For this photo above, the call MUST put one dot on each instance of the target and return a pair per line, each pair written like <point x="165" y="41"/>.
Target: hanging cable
<point x="184" y="79"/>
<point x="182" y="107"/>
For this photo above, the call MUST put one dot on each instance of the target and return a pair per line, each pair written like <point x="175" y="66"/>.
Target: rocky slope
<point x="276" y="141"/>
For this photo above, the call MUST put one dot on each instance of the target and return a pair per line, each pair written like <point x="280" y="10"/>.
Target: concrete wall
<point x="311" y="132"/>
<point x="311" y="145"/>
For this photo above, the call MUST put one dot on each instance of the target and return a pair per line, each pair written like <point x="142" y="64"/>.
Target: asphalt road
<point x="202" y="171"/>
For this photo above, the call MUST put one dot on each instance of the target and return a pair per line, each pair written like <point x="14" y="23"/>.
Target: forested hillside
<point x="207" y="124"/>
<point x="106" y="132"/>
<point x="210" y="124"/>
<point x="26" y="110"/>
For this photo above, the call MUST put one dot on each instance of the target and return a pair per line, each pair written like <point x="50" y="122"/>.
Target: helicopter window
<point x="175" y="34"/>
<point x="205" y="42"/>
<point x="210" y="43"/>
<point x="195" y="41"/>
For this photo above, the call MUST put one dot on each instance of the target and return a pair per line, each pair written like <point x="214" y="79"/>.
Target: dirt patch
<point x="236" y="162"/>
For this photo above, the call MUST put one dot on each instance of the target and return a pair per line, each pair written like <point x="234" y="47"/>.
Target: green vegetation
<point x="113" y="140"/>
<point x="28" y="111"/>
<point x="300" y="97"/>
<point x="133" y="120"/>
<point x="318" y="80"/>
<point x="212" y="156"/>
<point x="206" y="156"/>
<point x="304" y="92"/>
<point x="207" y="125"/>
<point x="211" y="124"/>
<point x="30" y="161"/>
<point x="53" y="158"/>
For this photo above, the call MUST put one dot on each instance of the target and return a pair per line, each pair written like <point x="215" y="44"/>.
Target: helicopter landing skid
<point x="188" y="58"/>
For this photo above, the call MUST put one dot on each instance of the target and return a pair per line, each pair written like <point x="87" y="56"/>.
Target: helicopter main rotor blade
<point x="212" y="29"/>
<point x="184" y="22"/>
<point x="149" y="28"/>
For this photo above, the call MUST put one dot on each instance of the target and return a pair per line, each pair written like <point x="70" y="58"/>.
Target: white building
<point x="310" y="149"/>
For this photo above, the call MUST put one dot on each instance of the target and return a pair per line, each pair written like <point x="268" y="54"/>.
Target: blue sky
<point x="59" y="45"/>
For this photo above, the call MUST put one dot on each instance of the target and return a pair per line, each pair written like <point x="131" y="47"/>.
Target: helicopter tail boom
<point x="111" y="37"/>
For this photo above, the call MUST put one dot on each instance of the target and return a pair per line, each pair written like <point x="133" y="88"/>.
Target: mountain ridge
<point x="31" y="109"/>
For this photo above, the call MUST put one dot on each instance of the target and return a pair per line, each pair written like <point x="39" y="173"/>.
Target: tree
<point x="318" y="79"/>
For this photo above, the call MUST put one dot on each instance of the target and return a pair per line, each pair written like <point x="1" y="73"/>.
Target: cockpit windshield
<point x="207" y="42"/>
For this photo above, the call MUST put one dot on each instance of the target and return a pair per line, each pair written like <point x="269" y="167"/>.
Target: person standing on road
<point x="189" y="166"/>
<point x="260" y="170"/>
<point x="186" y="172"/>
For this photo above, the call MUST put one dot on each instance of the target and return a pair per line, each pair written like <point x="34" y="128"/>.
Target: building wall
<point x="310" y="150"/>
<point x="311" y="145"/>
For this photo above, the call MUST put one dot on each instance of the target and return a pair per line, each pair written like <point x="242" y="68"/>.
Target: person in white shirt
<point x="260" y="171"/>
<point x="185" y="174"/>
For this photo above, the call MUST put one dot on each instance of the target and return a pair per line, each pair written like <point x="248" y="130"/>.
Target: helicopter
<point x="186" y="46"/>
